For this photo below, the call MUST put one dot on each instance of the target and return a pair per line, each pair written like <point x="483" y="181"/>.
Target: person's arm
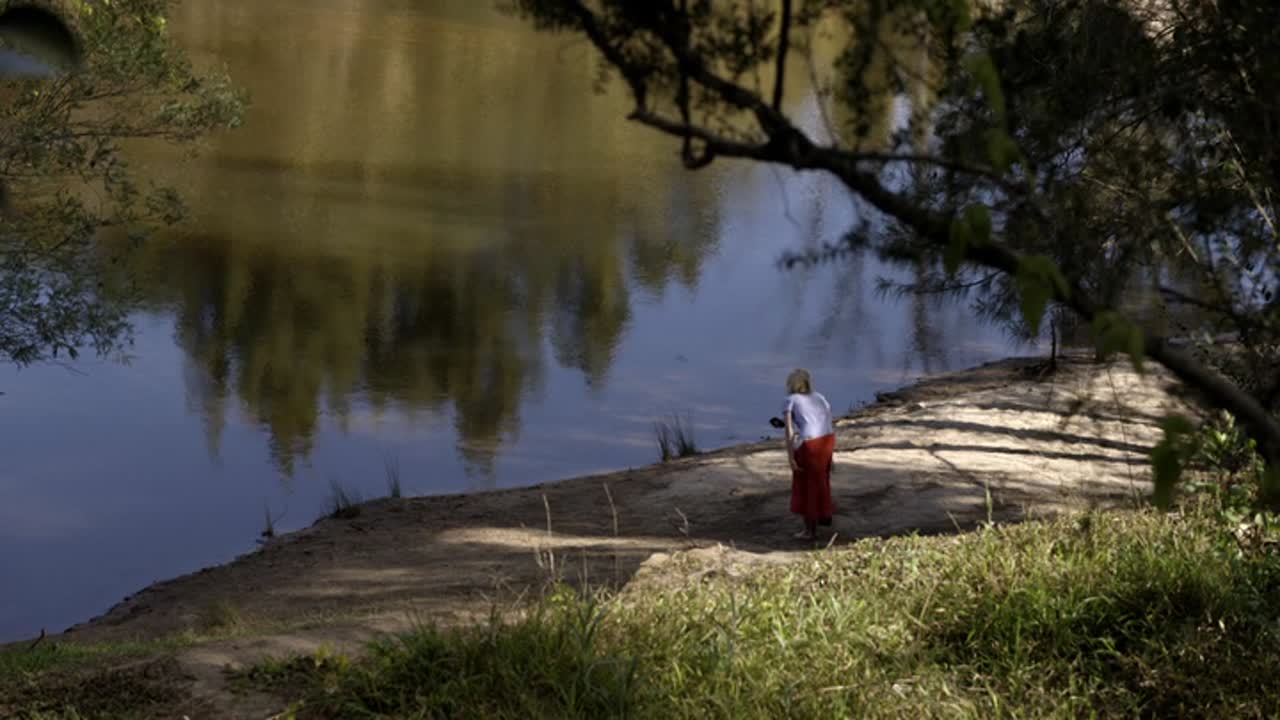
<point x="791" y="433"/>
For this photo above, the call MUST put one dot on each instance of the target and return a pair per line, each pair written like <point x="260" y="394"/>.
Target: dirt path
<point x="923" y="458"/>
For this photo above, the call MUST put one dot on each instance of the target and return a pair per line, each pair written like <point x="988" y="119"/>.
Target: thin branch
<point x="784" y="43"/>
<point x="690" y="159"/>
<point x="1182" y="298"/>
<point x="715" y="143"/>
<point x="634" y="75"/>
<point x="934" y="160"/>
<point x="946" y="288"/>
<point x="786" y="201"/>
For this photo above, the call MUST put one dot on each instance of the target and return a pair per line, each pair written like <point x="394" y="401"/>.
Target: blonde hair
<point x="799" y="382"/>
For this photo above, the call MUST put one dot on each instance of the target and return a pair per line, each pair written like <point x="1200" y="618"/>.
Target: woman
<point x="811" y="442"/>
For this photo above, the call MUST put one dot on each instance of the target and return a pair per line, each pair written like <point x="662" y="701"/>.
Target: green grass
<point x="391" y="465"/>
<point x="20" y="660"/>
<point x="152" y="688"/>
<point x="62" y="680"/>
<point x="1119" y="615"/>
<point x="220" y="616"/>
<point x="70" y="681"/>
<point x="675" y="438"/>
<point x="269" y="523"/>
<point x="343" y="503"/>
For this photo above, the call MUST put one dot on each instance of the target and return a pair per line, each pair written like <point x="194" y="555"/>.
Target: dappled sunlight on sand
<point x="945" y="455"/>
<point x="525" y="538"/>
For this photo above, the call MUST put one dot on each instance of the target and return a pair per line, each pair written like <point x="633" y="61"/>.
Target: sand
<point x="1002" y="442"/>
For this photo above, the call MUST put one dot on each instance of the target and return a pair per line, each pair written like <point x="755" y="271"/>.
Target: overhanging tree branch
<point x="784" y="43"/>
<point x="785" y="144"/>
<point x="714" y="143"/>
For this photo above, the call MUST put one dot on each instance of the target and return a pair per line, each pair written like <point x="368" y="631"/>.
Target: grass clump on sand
<point x="675" y="438"/>
<point x="343" y="504"/>
<point x="58" y="679"/>
<point x="71" y="681"/>
<point x="395" y="489"/>
<point x="1114" y="615"/>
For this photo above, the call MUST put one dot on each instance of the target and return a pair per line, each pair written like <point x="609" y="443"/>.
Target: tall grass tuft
<point x="343" y="504"/>
<point x="269" y="523"/>
<point x="1119" y="615"/>
<point x="675" y="437"/>
<point x="551" y="664"/>
<point x="391" y="465"/>
<point x="220" y="615"/>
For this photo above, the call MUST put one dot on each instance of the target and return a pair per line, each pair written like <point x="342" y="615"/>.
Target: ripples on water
<point x="430" y="242"/>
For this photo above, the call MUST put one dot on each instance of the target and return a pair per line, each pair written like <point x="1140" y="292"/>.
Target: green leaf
<point x="1271" y="483"/>
<point x="979" y="220"/>
<point x="1114" y="332"/>
<point x="1035" y="297"/>
<point x="1038" y="279"/>
<point x="973" y="227"/>
<point x="1101" y="333"/>
<point x="1177" y="425"/>
<point x="1059" y="282"/>
<point x="1137" y="347"/>
<point x="950" y="16"/>
<point x="954" y="254"/>
<point x="1167" y="457"/>
<point x="1002" y="151"/>
<point x="1166" y="468"/>
<point x="983" y="69"/>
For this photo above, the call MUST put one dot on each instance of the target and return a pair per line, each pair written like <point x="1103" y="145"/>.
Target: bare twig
<point x="613" y="509"/>
<point x="784" y="43"/>
<point x="786" y="201"/>
<point x="551" y="552"/>
<point x="682" y="527"/>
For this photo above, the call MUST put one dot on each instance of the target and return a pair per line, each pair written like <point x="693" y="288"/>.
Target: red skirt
<point x="811" y="484"/>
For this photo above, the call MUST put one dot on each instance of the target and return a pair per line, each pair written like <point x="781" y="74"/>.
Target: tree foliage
<point x="1114" y="159"/>
<point x="67" y="178"/>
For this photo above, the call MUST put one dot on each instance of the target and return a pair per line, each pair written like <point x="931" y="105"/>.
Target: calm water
<point x="430" y="245"/>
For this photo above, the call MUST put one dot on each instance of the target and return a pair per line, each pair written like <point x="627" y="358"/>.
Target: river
<point x="431" y="249"/>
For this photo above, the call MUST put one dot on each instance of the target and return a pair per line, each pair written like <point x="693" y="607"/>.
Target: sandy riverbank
<point x="920" y="459"/>
<point x="1003" y="440"/>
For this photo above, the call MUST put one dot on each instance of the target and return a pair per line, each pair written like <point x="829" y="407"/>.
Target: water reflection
<point x="412" y="225"/>
<point x="290" y="333"/>
<point x="430" y="242"/>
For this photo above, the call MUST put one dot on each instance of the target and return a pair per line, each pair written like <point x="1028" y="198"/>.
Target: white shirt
<point x="810" y="416"/>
